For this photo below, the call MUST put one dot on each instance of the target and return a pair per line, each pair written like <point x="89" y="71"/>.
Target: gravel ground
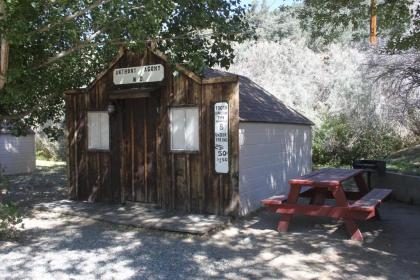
<point x="63" y="247"/>
<point x="47" y="183"/>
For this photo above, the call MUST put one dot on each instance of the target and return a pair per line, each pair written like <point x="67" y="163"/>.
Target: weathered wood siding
<point x="183" y="181"/>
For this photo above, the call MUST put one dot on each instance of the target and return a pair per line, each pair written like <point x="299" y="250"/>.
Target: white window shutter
<point x="98" y="130"/>
<point x="191" y="129"/>
<point x="93" y="130"/>
<point x="184" y="129"/>
<point x="177" y="129"/>
<point x="104" y="133"/>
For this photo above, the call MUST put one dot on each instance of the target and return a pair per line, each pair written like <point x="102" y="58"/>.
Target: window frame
<point x="183" y="151"/>
<point x="89" y="131"/>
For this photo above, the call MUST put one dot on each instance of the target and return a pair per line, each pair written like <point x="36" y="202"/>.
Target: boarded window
<point x="184" y="129"/>
<point x="98" y="131"/>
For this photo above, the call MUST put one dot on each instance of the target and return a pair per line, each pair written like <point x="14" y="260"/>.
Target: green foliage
<point x="339" y="141"/>
<point x="398" y="21"/>
<point x="50" y="150"/>
<point x="9" y="218"/>
<point x="3" y="181"/>
<point x="9" y="214"/>
<point x="44" y="155"/>
<point x="326" y="21"/>
<point x="60" y="45"/>
<point x="406" y="161"/>
<point x="274" y="25"/>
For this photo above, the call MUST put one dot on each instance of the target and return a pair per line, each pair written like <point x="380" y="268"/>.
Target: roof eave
<point x="309" y="123"/>
<point x="75" y="91"/>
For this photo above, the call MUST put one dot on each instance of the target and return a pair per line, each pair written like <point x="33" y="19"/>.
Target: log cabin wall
<point x="184" y="181"/>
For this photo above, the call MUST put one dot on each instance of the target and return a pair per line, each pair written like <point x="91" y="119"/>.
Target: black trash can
<point x="378" y="166"/>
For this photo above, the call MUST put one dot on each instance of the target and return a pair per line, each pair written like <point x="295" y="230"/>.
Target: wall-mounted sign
<point x="221" y="137"/>
<point x="140" y="74"/>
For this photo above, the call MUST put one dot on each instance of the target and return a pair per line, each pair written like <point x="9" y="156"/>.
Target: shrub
<point x="48" y="148"/>
<point x="9" y="218"/>
<point x="9" y="214"/>
<point x="341" y="140"/>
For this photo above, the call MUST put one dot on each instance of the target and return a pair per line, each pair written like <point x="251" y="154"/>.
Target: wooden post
<point x="373" y="27"/>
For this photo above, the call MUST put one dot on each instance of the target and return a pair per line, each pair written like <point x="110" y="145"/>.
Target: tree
<point x="395" y="64"/>
<point x="398" y="20"/>
<point x="52" y="46"/>
<point x="398" y="76"/>
<point x="339" y="78"/>
<point x="373" y="22"/>
<point x="4" y="50"/>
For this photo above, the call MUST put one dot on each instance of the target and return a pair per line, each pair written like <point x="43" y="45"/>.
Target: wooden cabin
<point x="148" y="131"/>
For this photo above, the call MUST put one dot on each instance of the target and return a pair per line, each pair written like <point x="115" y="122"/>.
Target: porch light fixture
<point x="111" y="108"/>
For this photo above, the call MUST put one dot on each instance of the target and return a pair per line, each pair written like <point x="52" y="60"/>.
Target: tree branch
<point x="14" y="117"/>
<point x="401" y="75"/>
<point x="64" y="53"/>
<point x="74" y="15"/>
<point x="2" y="10"/>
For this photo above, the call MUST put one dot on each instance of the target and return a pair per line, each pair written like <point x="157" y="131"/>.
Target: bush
<point x="341" y="140"/>
<point x="50" y="149"/>
<point x="9" y="214"/>
<point x="9" y="218"/>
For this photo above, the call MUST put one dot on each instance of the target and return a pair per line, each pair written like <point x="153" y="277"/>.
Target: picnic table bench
<point x="327" y="183"/>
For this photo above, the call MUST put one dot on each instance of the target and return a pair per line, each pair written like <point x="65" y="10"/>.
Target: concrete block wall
<point x="405" y="188"/>
<point x="270" y="154"/>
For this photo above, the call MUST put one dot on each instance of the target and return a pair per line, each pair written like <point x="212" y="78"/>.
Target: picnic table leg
<point x="361" y="183"/>
<point x="284" y="222"/>
<point x="353" y="230"/>
<point x="351" y="226"/>
<point x="292" y="198"/>
<point x="377" y="214"/>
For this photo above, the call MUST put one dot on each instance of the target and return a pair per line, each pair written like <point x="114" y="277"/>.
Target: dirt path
<point x="47" y="183"/>
<point x="64" y="247"/>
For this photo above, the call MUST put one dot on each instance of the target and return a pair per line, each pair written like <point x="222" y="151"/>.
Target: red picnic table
<point x="327" y="183"/>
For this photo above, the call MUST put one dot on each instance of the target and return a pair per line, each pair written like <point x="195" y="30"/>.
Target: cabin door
<point x="138" y="149"/>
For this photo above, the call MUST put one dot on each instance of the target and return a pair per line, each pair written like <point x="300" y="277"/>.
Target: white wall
<point x="271" y="154"/>
<point x="17" y="154"/>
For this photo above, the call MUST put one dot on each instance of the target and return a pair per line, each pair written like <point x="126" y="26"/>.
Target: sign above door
<point x="139" y="74"/>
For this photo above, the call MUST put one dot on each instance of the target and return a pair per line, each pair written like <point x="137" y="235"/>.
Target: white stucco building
<point x="275" y="145"/>
<point x="17" y="154"/>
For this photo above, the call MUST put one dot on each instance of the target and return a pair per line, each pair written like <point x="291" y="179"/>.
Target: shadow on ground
<point x="64" y="247"/>
<point x="74" y="247"/>
<point x="47" y="183"/>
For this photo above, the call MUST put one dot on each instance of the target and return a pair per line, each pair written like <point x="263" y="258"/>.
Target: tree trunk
<point x="373" y="27"/>
<point x="4" y="49"/>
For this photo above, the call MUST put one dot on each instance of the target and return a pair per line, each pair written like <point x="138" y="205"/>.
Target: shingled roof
<point x="258" y="105"/>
